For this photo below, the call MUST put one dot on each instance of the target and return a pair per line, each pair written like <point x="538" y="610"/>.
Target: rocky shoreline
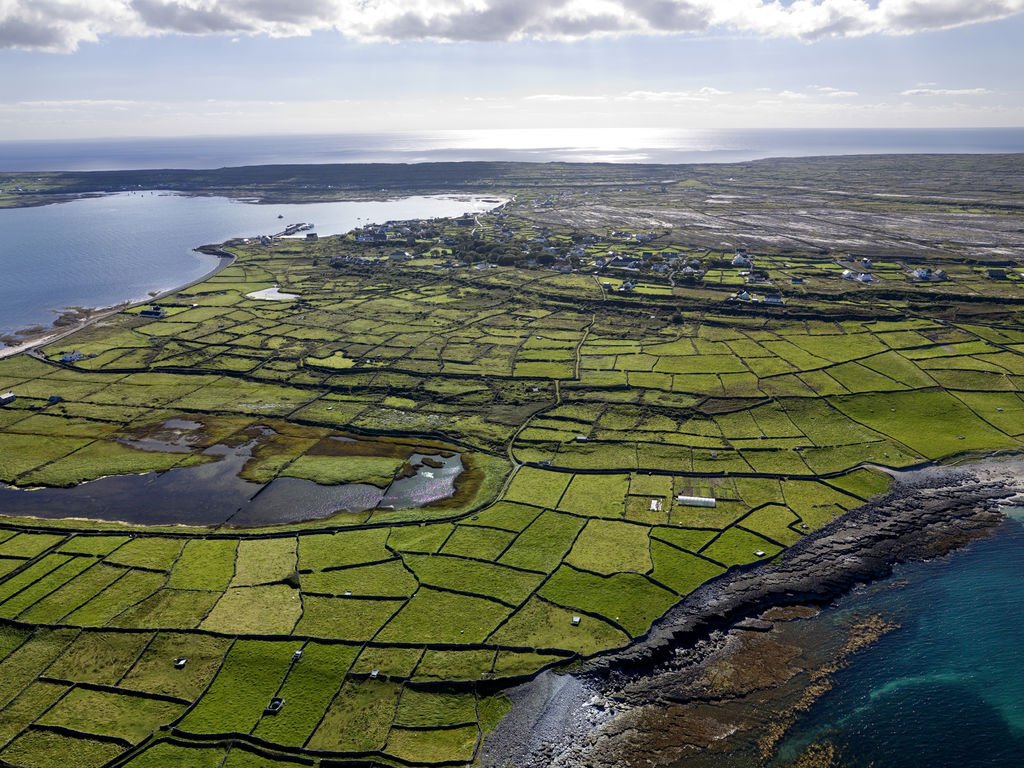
<point x="726" y="642"/>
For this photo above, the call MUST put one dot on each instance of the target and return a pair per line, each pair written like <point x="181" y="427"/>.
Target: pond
<point x="213" y="493"/>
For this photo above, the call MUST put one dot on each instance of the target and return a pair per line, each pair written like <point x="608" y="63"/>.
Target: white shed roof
<point x="696" y="501"/>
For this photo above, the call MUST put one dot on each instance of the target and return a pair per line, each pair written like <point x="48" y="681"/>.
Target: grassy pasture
<point x="606" y="547"/>
<point x="344" y="618"/>
<point x="29" y="545"/>
<point x="439" y="666"/>
<point x="26" y="708"/>
<point x="169" y="755"/>
<point x="486" y="579"/>
<point x="629" y="600"/>
<point x="53" y="573"/>
<point x="604" y="406"/>
<point x="169" y="609"/>
<point x="28" y="660"/>
<point x="154" y="670"/>
<point x="388" y="661"/>
<point x="307" y="690"/>
<point x="124" y="591"/>
<point x="251" y="674"/>
<point x="359" y="719"/>
<point x="264" y="609"/>
<point x="540" y="624"/>
<point x="262" y="561"/>
<point x="935" y="424"/>
<point x="542" y="545"/>
<point x="205" y="564"/>
<point x="103" y="713"/>
<point x="99" y="657"/>
<point x="43" y="749"/>
<point x="434" y="616"/>
<point x="150" y="553"/>
<point x="477" y="542"/>
<point x="438" y="745"/>
<point x="388" y="579"/>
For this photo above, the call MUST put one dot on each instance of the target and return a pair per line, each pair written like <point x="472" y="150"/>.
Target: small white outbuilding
<point x="696" y="501"/>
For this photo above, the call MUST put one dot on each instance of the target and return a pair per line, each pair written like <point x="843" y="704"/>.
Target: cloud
<point x="946" y="92"/>
<point x="555" y="97"/>
<point x="69" y="104"/>
<point x="835" y="93"/>
<point x="701" y="94"/>
<point x="62" y="25"/>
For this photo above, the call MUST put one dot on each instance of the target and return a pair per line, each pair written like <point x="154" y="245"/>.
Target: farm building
<point x="696" y="501"/>
<point x="7" y="398"/>
<point x="860" y="277"/>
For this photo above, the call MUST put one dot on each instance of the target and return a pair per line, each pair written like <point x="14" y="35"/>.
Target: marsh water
<point x="101" y="251"/>
<point x="213" y="493"/>
<point x="947" y="687"/>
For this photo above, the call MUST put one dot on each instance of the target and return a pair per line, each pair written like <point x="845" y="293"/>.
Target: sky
<point x="72" y="69"/>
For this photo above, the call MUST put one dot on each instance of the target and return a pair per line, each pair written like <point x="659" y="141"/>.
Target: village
<point x="630" y="263"/>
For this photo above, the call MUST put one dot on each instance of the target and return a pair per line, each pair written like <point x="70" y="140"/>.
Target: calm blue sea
<point x="97" y="252"/>
<point x="537" y="145"/>
<point x="947" y="688"/>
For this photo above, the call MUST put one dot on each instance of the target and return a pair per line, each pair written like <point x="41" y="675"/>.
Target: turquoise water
<point x="102" y="251"/>
<point x="947" y="688"/>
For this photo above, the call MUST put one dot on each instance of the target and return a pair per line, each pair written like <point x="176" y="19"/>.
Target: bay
<point x="947" y="687"/>
<point x="101" y="251"/>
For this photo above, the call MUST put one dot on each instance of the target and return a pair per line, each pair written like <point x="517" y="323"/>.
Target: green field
<point x="585" y="420"/>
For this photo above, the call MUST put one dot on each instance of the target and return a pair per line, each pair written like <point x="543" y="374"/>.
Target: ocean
<point x="531" y="145"/>
<point x="947" y="687"/>
<point x="101" y="251"/>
